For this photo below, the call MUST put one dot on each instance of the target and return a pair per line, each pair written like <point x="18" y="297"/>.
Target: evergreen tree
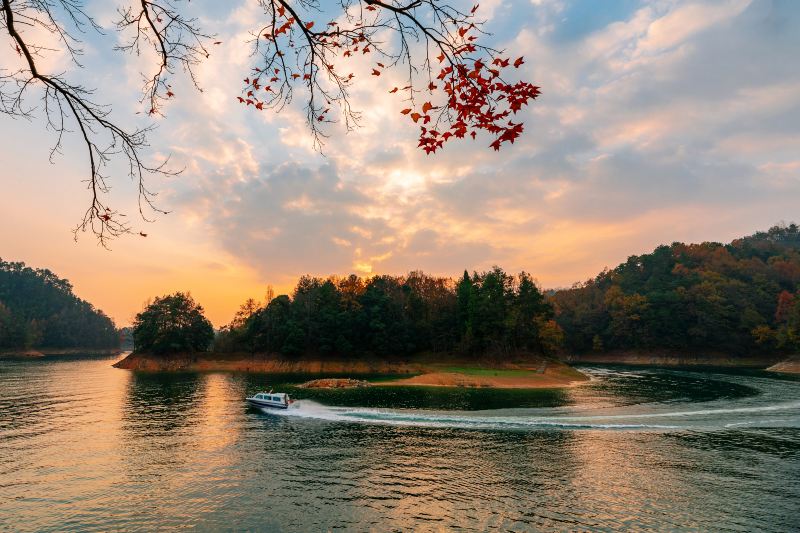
<point x="172" y="324"/>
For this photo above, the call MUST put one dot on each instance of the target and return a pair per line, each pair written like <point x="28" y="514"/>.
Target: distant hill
<point x="39" y="310"/>
<point x="738" y="298"/>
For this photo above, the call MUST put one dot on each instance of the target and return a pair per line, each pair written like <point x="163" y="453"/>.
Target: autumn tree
<point x="455" y="87"/>
<point x="740" y="298"/>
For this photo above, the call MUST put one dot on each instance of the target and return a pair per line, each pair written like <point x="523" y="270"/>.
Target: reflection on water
<point x="88" y="447"/>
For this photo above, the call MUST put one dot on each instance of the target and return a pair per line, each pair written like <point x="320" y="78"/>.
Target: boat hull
<point x="262" y="403"/>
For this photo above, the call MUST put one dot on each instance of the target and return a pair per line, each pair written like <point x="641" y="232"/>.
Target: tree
<point x="39" y="310"/>
<point x="456" y="87"/>
<point x="388" y="316"/>
<point x="172" y="324"/>
<point x="738" y="298"/>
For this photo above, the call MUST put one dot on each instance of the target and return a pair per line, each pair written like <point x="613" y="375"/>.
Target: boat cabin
<point x="280" y="400"/>
<point x="278" y="397"/>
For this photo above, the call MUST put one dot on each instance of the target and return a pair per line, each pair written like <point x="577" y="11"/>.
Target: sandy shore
<point x="532" y="372"/>
<point x="790" y="366"/>
<point x="553" y="374"/>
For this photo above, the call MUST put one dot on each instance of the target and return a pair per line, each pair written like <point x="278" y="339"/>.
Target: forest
<point x="734" y="299"/>
<point x="39" y="310"/>
<point x="738" y="298"/>
<point x="741" y="298"/>
<point x="491" y="313"/>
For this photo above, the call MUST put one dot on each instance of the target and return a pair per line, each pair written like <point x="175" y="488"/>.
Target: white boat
<point x="276" y="400"/>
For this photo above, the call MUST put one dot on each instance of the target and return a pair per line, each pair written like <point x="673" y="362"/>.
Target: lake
<point x="87" y="447"/>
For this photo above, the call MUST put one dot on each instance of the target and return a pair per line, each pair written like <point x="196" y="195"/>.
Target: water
<point x="86" y="447"/>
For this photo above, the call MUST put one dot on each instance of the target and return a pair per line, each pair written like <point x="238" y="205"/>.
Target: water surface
<point x="85" y="447"/>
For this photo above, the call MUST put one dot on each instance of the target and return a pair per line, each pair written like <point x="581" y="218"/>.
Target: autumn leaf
<point x="518" y="62"/>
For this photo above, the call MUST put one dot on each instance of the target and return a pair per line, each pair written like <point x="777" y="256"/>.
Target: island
<point x="711" y="304"/>
<point x="423" y="370"/>
<point x="489" y="330"/>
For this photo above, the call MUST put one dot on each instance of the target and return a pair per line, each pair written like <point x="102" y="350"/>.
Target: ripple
<point x="91" y="448"/>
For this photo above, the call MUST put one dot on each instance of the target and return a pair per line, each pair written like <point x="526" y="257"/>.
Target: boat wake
<point x="785" y="414"/>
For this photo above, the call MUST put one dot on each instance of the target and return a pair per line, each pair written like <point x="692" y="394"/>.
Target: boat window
<point x="258" y="396"/>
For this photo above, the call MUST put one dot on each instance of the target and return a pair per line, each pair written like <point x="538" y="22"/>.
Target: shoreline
<point x="526" y="372"/>
<point x="45" y="352"/>
<point x="674" y="359"/>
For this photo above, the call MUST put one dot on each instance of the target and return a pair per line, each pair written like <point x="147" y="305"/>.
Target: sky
<point x="658" y="122"/>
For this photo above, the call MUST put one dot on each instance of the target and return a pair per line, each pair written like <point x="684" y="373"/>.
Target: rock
<point x="335" y="383"/>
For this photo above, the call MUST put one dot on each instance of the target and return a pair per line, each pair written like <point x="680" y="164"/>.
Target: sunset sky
<point x="658" y="122"/>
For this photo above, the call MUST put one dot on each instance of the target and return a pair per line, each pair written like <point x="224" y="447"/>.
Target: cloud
<point x="641" y="114"/>
<point x="659" y="121"/>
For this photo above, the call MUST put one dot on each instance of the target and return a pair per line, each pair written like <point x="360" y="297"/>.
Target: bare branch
<point x="64" y="103"/>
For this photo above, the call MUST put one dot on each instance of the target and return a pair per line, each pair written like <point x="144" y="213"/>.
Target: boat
<point x="275" y="400"/>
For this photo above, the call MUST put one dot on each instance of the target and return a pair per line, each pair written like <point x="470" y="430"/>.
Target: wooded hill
<point x="738" y="298"/>
<point x="39" y="310"/>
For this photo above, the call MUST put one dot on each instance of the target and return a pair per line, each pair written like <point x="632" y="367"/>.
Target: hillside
<point x="741" y="298"/>
<point x="39" y="311"/>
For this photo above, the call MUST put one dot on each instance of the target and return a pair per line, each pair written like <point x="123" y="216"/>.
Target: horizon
<point x="657" y="123"/>
<point x="289" y="289"/>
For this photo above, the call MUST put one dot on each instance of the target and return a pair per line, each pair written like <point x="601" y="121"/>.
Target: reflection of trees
<point x="158" y="422"/>
<point x="160" y="403"/>
<point x="435" y="398"/>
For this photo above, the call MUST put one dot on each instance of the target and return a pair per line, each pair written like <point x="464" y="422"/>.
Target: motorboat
<point x="275" y="400"/>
